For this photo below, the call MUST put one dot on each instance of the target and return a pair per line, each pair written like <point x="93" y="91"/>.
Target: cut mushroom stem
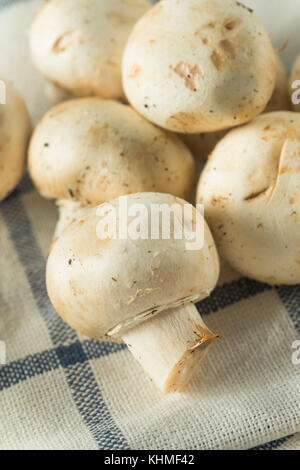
<point x="170" y="346"/>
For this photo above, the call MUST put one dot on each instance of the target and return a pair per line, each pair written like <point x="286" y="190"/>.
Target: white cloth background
<point x="59" y="390"/>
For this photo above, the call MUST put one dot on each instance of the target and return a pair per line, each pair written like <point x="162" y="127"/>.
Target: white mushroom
<point x="250" y="188"/>
<point x="78" y="44"/>
<point x="140" y="291"/>
<point x="199" y="65"/>
<point x="15" y="64"/>
<point x="15" y="129"/>
<point x="201" y="145"/>
<point x="89" y="151"/>
<point x="295" y="85"/>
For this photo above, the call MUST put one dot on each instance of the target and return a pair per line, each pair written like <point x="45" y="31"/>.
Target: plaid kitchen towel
<point x="60" y="390"/>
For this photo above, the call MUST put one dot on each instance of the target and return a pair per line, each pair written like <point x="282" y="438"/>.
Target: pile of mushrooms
<point x="197" y="75"/>
<point x="15" y="130"/>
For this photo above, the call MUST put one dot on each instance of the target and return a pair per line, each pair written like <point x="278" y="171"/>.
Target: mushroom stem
<point x="170" y="346"/>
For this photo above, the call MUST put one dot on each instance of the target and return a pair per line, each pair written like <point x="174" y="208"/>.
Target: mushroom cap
<point x="103" y="287"/>
<point x="15" y="129"/>
<point x="201" y="145"/>
<point x="250" y="189"/>
<point x="79" y="43"/>
<point x="199" y="65"/>
<point x="92" y="150"/>
<point x="295" y="76"/>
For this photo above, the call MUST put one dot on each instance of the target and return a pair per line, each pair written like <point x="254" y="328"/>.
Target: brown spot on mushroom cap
<point x="230" y="24"/>
<point x="190" y="73"/>
<point x="218" y="60"/>
<point x="215" y="200"/>
<point x="293" y="199"/>
<point x="136" y="70"/>
<point x="183" y="120"/>
<point x="229" y="47"/>
<point x="188" y="122"/>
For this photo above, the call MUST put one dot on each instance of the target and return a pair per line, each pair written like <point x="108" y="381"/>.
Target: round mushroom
<point x="87" y="151"/>
<point x="295" y="85"/>
<point x="250" y="189"/>
<point x="199" y="65"/>
<point x="78" y="44"/>
<point x="15" y="129"/>
<point x="201" y="145"/>
<point x="139" y="290"/>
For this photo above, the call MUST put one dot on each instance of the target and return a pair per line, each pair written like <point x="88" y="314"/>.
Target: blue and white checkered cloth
<point x="59" y="390"/>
